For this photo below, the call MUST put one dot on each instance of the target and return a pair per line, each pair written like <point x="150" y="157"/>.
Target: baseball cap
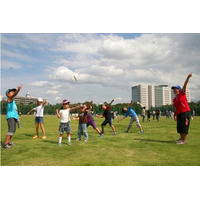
<point x="176" y="87"/>
<point x="7" y="91"/>
<point x="81" y="106"/>
<point x="65" y="101"/>
<point x="40" y="99"/>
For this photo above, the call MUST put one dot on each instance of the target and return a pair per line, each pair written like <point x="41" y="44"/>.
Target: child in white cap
<point x="39" y="117"/>
<point x="64" y="115"/>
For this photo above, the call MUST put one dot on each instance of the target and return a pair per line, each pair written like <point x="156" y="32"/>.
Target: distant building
<point x="140" y="94"/>
<point x="154" y="96"/>
<point x="24" y="100"/>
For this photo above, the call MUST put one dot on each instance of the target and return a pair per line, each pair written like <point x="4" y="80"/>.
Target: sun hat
<point x="176" y="87"/>
<point x="7" y="91"/>
<point x="40" y="99"/>
<point x="65" y="101"/>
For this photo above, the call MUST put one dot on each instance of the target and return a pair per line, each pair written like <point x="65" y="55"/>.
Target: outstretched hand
<point x="190" y="75"/>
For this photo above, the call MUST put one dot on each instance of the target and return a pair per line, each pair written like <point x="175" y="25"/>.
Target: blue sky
<point x="105" y="65"/>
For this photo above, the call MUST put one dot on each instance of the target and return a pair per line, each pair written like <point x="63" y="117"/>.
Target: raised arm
<point x="45" y="103"/>
<point x="186" y="82"/>
<point x="131" y="103"/>
<point x="89" y="105"/>
<point x="16" y="92"/>
<point x="110" y="103"/>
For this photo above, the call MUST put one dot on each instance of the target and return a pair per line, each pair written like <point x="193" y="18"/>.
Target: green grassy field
<point x="156" y="147"/>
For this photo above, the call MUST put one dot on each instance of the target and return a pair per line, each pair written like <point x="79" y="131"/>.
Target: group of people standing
<point x="182" y="115"/>
<point x="156" y="114"/>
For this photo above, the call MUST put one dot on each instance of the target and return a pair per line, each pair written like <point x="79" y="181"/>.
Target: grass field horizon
<point x="156" y="147"/>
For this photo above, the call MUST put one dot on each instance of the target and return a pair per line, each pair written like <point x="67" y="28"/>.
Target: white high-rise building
<point x="151" y="95"/>
<point x="154" y="96"/>
<point x="167" y="96"/>
<point x="140" y="94"/>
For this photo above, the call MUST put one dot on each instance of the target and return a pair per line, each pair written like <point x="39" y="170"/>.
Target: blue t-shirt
<point x="130" y="112"/>
<point x="12" y="110"/>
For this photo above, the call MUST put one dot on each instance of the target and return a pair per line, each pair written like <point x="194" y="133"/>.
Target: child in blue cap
<point x="11" y="115"/>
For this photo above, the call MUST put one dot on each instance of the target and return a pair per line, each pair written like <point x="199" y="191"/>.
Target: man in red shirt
<point x="182" y="110"/>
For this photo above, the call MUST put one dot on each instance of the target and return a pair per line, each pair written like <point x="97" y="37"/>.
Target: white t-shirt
<point x="39" y="111"/>
<point x="65" y="115"/>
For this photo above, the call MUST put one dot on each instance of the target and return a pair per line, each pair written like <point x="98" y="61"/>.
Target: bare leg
<point x="42" y="127"/>
<point x="37" y="128"/>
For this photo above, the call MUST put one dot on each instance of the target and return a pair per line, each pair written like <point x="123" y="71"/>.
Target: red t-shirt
<point x="180" y="103"/>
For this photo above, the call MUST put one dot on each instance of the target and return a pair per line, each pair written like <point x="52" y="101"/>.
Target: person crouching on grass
<point x="182" y="110"/>
<point x="64" y="115"/>
<point x="11" y="116"/>
<point x="39" y="118"/>
<point x="131" y="113"/>
<point x="108" y="117"/>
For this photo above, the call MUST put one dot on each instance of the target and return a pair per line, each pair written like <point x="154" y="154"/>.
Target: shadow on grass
<point x="29" y="135"/>
<point x="53" y="142"/>
<point x="160" y="141"/>
<point x="2" y="144"/>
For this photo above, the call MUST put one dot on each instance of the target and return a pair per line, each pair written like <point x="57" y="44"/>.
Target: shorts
<point x="65" y="127"/>
<point x="11" y="126"/>
<point x="183" y="122"/>
<point x="92" y="123"/>
<point x="109" y="121"/>
<point x="39" y="120"/>
<point x="135" y="119"/>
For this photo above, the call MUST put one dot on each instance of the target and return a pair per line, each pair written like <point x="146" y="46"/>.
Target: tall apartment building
<point x="140" y="94"/>
<point x="154" y="96"/>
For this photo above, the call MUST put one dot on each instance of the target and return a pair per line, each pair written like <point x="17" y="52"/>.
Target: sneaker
<point x="69" y="143"/>
<point x="86" y="140"/>
<point x="141" y="132"/>
<point x="44" y="137"/>
<point x="36" y="136"/>
<point x="6" y="146"/>
<point x="126" y="132"/>
<point x="101" y="135"/>
<point x="114" y="133"/>
<point x="180" y="142"/>
<point x="78" y="139"/>
<point x="11" y="144"/>
<point x="59" y="144"/>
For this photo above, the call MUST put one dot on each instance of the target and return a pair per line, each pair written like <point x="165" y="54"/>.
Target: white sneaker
<point x="78" y="139"/>
<point x="86" y="140"/>
<point x="180" y="142"/>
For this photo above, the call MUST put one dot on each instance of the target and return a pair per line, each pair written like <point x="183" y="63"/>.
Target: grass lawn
<point x="156" y="147"/>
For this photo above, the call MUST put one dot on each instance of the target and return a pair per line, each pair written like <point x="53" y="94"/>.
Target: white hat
<point x="40" y="99"/>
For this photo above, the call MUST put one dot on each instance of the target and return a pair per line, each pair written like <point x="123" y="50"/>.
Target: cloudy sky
<point x="81" y="67"/>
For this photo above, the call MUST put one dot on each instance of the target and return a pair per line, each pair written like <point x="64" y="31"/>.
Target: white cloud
<point x="106" y="66"/>
<point x="52" y="92"/>
<point x="41" y="83"/>
<point x="57" y="98"/>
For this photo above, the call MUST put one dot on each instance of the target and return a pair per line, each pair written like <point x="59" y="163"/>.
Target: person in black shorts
<point x="182" y="110"/>
<point x="108" y="117"/>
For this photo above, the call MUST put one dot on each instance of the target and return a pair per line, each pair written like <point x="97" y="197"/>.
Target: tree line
<point x="51" y="109"/>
